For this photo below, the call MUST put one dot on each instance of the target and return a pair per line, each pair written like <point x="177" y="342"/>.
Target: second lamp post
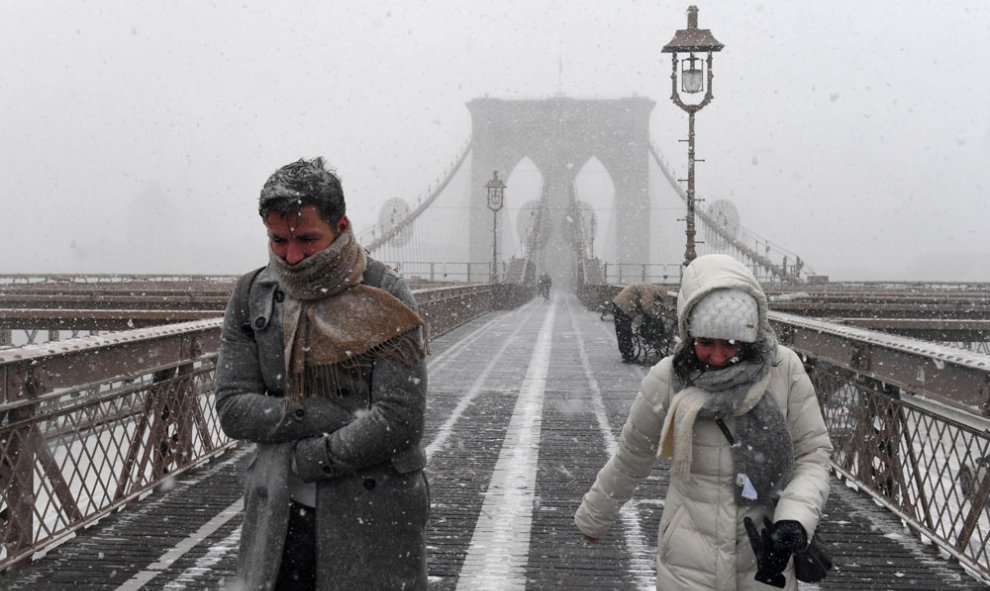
<point x="496" y="191"/>
<point x="687" y="42"/>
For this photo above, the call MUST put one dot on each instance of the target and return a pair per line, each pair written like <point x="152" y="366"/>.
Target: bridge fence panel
<point x="923" y="465"/>
<point x="904" y="420"/>
<point x="91" y="425"/>
<point x="72" y="454"/>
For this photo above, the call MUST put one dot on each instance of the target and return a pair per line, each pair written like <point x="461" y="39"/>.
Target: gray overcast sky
<point x="136" y="135"/>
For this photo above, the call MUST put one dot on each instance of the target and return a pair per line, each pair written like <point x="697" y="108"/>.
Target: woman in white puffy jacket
<point x="728" y="380"/>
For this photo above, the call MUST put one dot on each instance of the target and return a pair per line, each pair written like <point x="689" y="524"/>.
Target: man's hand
<point x="311" y="460"/>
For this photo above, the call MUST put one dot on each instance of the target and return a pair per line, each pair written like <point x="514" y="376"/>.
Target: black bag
<point x="813" y="563"/>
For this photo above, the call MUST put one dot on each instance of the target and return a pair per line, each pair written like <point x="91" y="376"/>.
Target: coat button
<point x="279" y="295"/>
<point x="369" y="483"/>
<point x="327" y="469"/>
<point x="259" y="322"/>
<point x="300" y="413"/>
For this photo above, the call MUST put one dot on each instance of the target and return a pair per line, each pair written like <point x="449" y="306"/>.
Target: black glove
<point x="773" y="548"/>
<point x="789" y="535"/>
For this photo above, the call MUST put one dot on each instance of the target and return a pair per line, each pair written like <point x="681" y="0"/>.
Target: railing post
<point x="17" y="480"/>
<point x="185" y="402"/>
<point x="978" y="506"/>
<point x="27" y="448"/>
<point x="190" y="414"/>
<point x="163" y="409"/>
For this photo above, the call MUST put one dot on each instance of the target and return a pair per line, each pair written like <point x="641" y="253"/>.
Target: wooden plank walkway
<point x="523" y="406"/>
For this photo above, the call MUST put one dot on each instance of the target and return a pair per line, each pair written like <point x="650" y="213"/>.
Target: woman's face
<point x="717" y="353"/>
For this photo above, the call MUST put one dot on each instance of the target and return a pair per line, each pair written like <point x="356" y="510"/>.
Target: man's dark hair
<point x="304" y="182"/>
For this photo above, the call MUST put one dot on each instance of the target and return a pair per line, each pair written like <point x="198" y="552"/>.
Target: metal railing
<point x="90" y="425"/>
<point x="625" y="273"/>
<point x="917" y="458"/>
<point x="90" y="279"/>
<point x="454" y="271"/>
<point x="903" y="418"/>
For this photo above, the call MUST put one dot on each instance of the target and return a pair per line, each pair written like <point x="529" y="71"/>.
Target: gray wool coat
<point x="361" y="446"/>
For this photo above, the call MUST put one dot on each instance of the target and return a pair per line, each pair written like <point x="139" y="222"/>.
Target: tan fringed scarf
<point x="333" y="323"/>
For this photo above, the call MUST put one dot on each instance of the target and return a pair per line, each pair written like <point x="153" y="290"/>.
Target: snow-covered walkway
<point x="524" y="407"/>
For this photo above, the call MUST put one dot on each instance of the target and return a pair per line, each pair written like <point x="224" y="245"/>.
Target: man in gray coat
<point x="321" y="367"/>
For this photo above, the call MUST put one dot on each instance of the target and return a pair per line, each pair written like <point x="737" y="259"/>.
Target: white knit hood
<point x="713" y="272"/>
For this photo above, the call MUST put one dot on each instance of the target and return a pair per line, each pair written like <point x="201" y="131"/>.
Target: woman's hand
<point x="773" y="547"/>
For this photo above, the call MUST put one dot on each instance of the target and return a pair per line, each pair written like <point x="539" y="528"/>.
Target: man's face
<point x="295" y="236"/>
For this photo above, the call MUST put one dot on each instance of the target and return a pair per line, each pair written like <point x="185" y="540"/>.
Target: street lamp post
<point x="687" y="42"/>
<point x="496" y="190"/>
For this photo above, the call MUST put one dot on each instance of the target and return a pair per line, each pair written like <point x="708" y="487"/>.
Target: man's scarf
<point x="762" y="450"/>
<point x="334" y="323"/>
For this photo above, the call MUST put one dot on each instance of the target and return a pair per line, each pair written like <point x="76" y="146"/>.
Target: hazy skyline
<point x="136" y="135"/>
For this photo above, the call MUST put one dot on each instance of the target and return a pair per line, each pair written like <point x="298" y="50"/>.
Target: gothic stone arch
<point x="559" y="135"/>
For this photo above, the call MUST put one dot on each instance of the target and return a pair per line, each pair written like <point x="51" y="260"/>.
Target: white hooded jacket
<point x="702" y="542"/>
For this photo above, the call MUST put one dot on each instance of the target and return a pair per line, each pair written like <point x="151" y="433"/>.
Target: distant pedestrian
<point x="638" y="308"/>
<point x="544" y="283"/>
<point x="321" y="366"/>
<point x="736" y="415"/>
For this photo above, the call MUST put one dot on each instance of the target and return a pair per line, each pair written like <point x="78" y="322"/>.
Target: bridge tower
<point x="560" y="135"/>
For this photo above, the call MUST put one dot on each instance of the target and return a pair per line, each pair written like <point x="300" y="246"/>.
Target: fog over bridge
<point x="115" y="474"/>
<point x="605" y="199"/>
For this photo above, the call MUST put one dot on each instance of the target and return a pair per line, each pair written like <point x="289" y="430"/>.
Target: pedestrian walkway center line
<point x="499" y="550"/>
<point x="154" y="569"/>
<point x="639" y="551"/>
